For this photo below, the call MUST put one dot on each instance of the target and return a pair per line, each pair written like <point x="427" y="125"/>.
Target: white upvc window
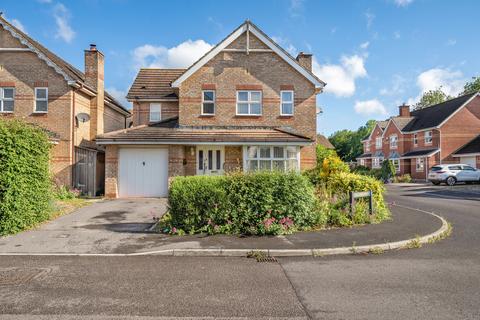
<point x="396" y="164"/>
<point x="378" y="142"/>
<point x="249" y="103"/>
<point x="7" y="99"/>
<point x="420" y="165"/>
<point x="281" y="158"/>
<point x="367" y="146"/>
<point x="286" y="102"/>
<point x="362" y="162"/>
<point x="377" y="162"/>
<point x="208" y="102"/>
<point x="155" y="112"/>
<point x="428" y="137"/>
<point x="41" y="100"/>
<point x="415" y="139"/>
<point x="393" y="141"/>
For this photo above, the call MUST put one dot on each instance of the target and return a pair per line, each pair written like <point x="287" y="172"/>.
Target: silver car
<point x="453" y="173"/>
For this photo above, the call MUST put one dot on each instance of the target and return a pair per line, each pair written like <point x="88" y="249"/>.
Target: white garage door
<point x="469" y="160"/>
<point x="143" y="172"/>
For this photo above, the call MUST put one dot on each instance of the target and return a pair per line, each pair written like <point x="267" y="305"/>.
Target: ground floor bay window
<point x="281" y="158"/>
<point x="396" y="164"/>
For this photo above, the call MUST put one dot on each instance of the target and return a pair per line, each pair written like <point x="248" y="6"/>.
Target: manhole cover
<point x="16" y="276"/>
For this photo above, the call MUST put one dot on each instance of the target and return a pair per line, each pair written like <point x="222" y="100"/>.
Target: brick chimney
<point x="305" y="60"/>
<point x="404" y="110"/>
<point x="94" y="78"/>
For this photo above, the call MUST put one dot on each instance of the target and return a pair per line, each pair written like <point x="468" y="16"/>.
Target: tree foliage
<point x="348" y="143"/>
<point x="431" y="98"/>
<point x="472" y="86"/>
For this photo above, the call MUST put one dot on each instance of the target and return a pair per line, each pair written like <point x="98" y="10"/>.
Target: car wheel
<point x="436" y="183"/>
<point x="451" y="181"/>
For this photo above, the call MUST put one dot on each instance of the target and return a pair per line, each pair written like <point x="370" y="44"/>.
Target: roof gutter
<point x="176" y="142"/>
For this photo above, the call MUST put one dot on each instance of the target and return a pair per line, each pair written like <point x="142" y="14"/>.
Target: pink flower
<point x="174" y="230"/>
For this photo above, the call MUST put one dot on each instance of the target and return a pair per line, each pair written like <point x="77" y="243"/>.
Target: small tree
<point x="388" y="170"/>
<point x="472" y="86"/>
<point x="431" y="98"/>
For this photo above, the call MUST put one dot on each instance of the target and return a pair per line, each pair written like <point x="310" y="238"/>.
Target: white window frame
<point x="2" y="98"/>
<point x="377" y="144"/>
<point x="250" y="102"/>
<point x="377" y="162"/>
<point x="428" y="137"/>
<point x="415" y="139"/>
<point x="393" y="138"/>
<point x="150" y="119"/>
<point x="419" y="165"/>
<point x="396" y="164"/>
<point x="282" y="102"/>
<point x="362" y="162"/>
<point x="41" y="99"/>
<point x="285" y="158"/>
<point x="367" y="146"/>
<point x="203" y="113"/>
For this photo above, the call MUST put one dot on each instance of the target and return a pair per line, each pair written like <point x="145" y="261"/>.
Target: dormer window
<point x="155" y="112"/>
<point x="7" y="99"/>
<point x="286" y="103"/>
<point x="208" y="102"/>
<point x="249" y="103"/>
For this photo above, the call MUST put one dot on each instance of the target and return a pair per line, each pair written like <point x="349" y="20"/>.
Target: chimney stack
<point x="305" y="60"/>
<point x="94" y="78"/>
<point x="404" y="110"/>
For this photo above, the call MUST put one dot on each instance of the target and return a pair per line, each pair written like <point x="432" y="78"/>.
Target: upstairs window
<point x="155" y="112"/>
<point x="415" y="139"/>
<point x="249" y="103"/>
<point x="367" y="146"/>
<point x="378" y="142"/>
<point x="428" y="137"/>
<point x="286" y="103"/>
<point x="7" y="99"/>
<point x="208" y="102"/>
<point x="393" y="142"/>
<point x="41" y="100"/>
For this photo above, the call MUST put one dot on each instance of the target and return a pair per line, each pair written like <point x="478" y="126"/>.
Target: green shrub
<point x="25" y="185"/>
<point x="388" y="170"/>
<point x="65" y="193"/>
<point x="254" y="203"/>
<point x="405" y="178"/>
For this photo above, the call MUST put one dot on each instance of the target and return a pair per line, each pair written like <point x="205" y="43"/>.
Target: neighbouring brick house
<point x="245" y="105"/>
<point x="38" y="86"/>
<point x="417" y="140"/>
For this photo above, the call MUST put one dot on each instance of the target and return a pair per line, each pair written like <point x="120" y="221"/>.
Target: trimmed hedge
<point x="253" y="203"/>
<point x="25" y="185"/>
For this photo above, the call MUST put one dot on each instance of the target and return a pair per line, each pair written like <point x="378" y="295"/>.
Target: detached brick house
<point x="38" y="86"/>
<point x="417" y="140"/>
<point x="245" y="105"/>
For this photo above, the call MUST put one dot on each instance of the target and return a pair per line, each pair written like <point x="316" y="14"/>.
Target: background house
<point x="38" y="86"/>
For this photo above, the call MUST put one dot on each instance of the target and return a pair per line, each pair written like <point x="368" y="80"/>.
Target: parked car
<point x="453" y="173"/>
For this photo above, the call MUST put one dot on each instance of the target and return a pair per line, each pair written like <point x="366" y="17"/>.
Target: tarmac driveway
<point x="98" y="228"/>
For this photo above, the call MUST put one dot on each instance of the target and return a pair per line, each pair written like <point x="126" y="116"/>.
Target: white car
<point x="453" y="173"/>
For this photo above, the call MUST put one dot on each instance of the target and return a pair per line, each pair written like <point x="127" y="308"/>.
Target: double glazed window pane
<point x="208" y="106"/>
<point x="7" y="99"/>
<point x="287" y="102"/>
<point x="249" y="102"/>
<point x="255" y="96"/>
<point x="243" y="96"/>
<point x="8" y="93"/>
<point x="279" y="158"/>
<point x="41" y="105"/>
<point x="264" y="152"/>
<point x="243" y="108"/>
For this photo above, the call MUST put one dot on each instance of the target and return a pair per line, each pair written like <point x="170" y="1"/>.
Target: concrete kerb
<point x="219" y="252"/>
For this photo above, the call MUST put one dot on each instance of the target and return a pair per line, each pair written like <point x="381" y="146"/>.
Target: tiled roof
<point x="433" y="116"/>
<point x="169" y="132"/>
<point x="66" y="67"/>
<point x="323" y="141"/>
<point x="471" y="147"/>
<point x="365" y="155"/>
<point x="420" y="153"/>
<point x="402" y="122"/>
<point x="154" y="84"/>
<point x="382" y="124"/>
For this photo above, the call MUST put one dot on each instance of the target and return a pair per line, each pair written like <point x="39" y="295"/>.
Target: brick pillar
<point x="111" y="171"/>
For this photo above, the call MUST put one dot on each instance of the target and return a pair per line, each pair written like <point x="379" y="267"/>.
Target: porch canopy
<point x="169" y="132"/>
<point x="420" y="153"/>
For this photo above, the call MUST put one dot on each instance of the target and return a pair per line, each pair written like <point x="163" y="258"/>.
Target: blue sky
<point x="374" y="55"/>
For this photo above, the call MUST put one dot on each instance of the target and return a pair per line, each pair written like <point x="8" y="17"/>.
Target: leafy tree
<point x="431" y="98"/>
<point x="348" y="144"/>
<point x="472" y="86"/>
<point x="388" y="170"/>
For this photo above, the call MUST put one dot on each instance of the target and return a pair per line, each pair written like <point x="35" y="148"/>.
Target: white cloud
<point x="341" y="78"/>
<point x="64" y="30"/>
<point x="370" y="16"/>
<point x="451" y="42"/>
<point x="398" y="86"/>
<point x="403" y="3"/>
<point x="296" y="8"/>
<point x="451" y="81"/>
<point x="369" y="107"/>
<point x="364" y="45"/>
<point x="119" y="95"/>
<point x="286" y="44"/>
<point x="181" y="56"/>
<point x="17" y="24"/>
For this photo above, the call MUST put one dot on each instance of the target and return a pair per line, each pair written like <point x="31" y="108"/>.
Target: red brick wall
<point x="141" y="111"/>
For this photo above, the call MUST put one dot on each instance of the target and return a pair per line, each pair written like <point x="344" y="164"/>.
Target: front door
<point x="210" y="160"/>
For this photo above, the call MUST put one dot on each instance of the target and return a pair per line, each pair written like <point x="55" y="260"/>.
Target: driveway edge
<point x="220" y="252"/>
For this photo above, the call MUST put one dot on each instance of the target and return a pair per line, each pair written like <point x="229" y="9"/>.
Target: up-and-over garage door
<point x="143" y="172"/>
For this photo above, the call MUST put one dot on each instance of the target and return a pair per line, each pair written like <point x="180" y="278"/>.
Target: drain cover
<point x="266" y="259"/>
<point x="16" y="276"/>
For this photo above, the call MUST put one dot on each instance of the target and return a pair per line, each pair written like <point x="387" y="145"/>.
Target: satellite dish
<point x="83" y="117"/>
<point x="319" y="110"/>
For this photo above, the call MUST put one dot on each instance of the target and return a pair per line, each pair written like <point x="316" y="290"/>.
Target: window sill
<point x="248" y="115"/>
<point x="285" y="116"/>
<point x="6" y="112"/>
<point x="39" y="113"/>
<point x="207" y="115"/>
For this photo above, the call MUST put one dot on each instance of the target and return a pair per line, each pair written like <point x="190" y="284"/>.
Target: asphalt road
<point x="438" y="281"/>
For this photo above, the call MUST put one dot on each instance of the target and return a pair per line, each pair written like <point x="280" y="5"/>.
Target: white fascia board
<point x="152" y="100"/>
<point x="458" y="155"/>
<point x="148" y="142"/>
